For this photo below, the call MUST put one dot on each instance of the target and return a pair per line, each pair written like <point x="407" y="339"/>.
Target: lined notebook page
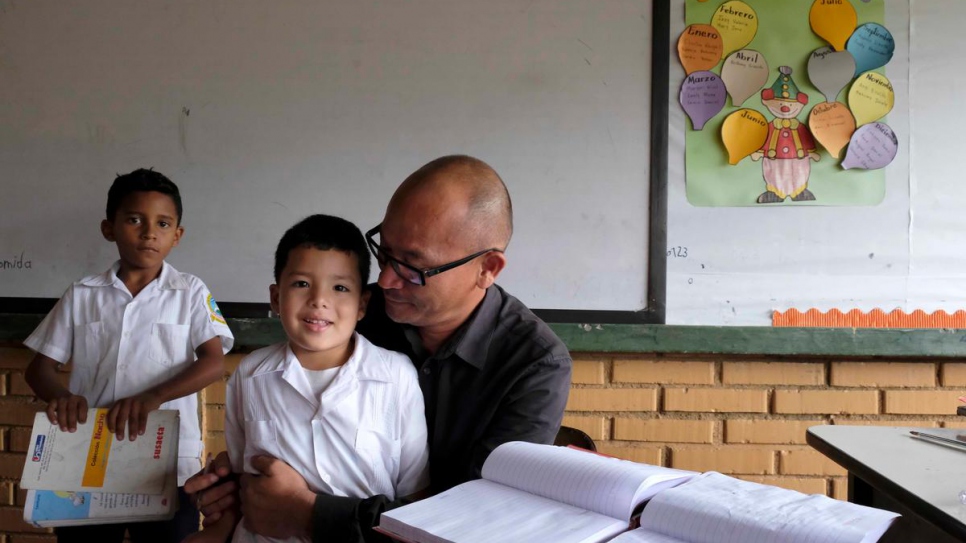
<point x="715" y="508"/>
<point x="482" y="511"/>
<point x="609" y="486"/>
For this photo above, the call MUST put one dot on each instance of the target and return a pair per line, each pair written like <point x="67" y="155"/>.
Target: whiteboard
<point x="909" y="252"/>
<point x="264" y="112"/>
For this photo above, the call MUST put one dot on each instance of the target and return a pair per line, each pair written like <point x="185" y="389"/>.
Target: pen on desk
<point x="939" y="439"/>
<point x="205" y="471"/>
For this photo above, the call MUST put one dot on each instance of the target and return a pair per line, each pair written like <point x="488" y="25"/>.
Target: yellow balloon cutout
<point x="832" y="125"/>
<point x="871" y="97"/>
<point x="834" y="21"/>
<point x="738" y="24"/>
<point x="743" y="133"/>
<point x="699" y="48"/>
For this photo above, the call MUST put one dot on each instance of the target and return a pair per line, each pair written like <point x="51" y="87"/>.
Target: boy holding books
<point x="347" y="415"/>
<point x="141" y="336"/>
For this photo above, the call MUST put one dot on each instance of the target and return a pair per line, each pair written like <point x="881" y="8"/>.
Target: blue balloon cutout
<point x="872" y="47"/>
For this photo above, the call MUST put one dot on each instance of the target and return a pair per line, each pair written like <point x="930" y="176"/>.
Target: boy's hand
<point x="133" y="411"/>
<point x="67" y="411"/>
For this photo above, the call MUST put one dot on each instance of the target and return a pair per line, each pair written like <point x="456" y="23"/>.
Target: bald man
<point x="489" y="369"/>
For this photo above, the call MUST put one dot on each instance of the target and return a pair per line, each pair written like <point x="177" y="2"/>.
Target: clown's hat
<point x="784" y="88"/>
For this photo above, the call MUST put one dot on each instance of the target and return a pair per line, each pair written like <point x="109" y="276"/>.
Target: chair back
<point x="572" y="436"/>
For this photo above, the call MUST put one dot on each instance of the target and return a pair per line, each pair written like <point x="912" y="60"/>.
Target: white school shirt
<point x="365" y="435"/>
<point x="123" y="345"/>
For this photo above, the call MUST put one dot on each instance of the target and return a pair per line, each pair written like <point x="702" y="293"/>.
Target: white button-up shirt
<point x="365" y="435"/>
<point x="123" y="345"/>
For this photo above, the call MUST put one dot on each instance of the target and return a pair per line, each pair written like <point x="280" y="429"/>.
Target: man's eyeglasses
<point x="409" y="273"/>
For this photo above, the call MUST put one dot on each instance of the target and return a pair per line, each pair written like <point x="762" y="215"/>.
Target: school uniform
<point x="364" y="434"/>
<point x="123" y="345"/>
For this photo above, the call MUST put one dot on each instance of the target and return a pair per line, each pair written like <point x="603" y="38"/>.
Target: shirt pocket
<point x="380" y="459"/>
<point x="260" y="438"/>
<point x="170" y="345"/>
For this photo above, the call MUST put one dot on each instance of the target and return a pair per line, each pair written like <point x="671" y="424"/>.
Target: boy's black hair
<point x="326" y="233"/>
<point x="141" y="180"/>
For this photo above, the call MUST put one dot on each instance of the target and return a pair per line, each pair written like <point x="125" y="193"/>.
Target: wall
<point x="737" y="414"/>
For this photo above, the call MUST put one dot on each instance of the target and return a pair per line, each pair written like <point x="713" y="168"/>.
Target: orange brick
<point x="215" y="393"/>
<point x="19" y="439"/>
<point x="645" y="455"/>
<point x="612" y="399"/>
<point x="883" y="374"/>
<point x="24" y="538"/>
<point x="664" y="430"/>
<point x="773" y="373"/>
<point x="15" y="358"/>
<point x="21" y="496"/>
<point x="215" y="442"/>
<point x="7" y="494"/>
<point x="840" y="488"/>
<point x="827" y="401"/>
<point x="11" y="465"/>
<point x="953" y="374"/>
<point x="18" y="411"/>
<point x="921" y="402"/>
<point x="4" y="379"/>
<point x="716" y="400"/>
<point x="232" y="360"/>
<point x="728" y="459"/>
<point x="596" y="427"/>
<point x="214" y="418"/>
<point x="18" y="385"/>
<point x="779" y="431"/>
<point x="807" y="461"/>
<point x="957" y="424"/>
<point x="845" y="421"/>
<point x="805" y="485"/>
<point x="588" y="372"/>
<point x="677" y="372"/>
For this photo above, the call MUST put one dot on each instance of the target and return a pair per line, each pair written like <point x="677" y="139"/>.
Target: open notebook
<point x="535" y="492"/>
<point x="715" y="508"/>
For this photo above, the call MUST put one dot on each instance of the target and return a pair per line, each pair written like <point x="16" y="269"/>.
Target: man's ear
<point x="364" y="303"/>
<point x="107" y="230"/>
<point x="177" y="236"/>
<point x="273" y="298"/>
<point x="493" y="263"/>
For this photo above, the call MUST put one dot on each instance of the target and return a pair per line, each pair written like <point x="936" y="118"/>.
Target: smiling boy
<point x="141" y="336"/>
<point x="347" y="415"/>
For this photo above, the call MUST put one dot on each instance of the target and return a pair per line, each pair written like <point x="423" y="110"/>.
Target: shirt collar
<point x="357" y="364"/>
<point x="471" y="342"/>
<point x="168" y="279"/>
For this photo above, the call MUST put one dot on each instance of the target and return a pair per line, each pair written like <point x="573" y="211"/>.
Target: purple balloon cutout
<point x="702" y="96"/>
<point x="872" y="146"/>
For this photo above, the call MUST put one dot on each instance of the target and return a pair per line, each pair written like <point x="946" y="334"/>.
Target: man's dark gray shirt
<point x="503" y="376"/>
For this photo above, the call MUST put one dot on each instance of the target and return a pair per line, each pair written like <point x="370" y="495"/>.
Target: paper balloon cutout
<point x="832" y="125"/>
<point x="830" y="71"/>
<point x="872" y="46"/>
<point x="703" y="94"/>
<point x="743" y="133"/>
<point x="699" y="48"/>
<point x="873" y="146"/>
<point x="737" y="23"/>
<point x="744" y="73"/>
<point x="871" y="97"/>
<point x="833" y="21"/>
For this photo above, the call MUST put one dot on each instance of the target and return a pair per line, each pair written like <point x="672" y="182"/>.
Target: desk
<point x="923" y="478"/>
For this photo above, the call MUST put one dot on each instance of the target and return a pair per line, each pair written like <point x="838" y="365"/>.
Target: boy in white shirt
<point x="141" y="336"/>
<point x="347" y="415"/>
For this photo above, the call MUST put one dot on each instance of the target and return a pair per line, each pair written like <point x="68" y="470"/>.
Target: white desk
<point x="921" y="476"/>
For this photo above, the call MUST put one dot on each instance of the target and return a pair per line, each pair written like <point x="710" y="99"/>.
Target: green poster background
<point x="785" y="38"/>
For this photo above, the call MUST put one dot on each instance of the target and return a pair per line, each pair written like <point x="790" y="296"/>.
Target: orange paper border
<point x="876" y="318"/>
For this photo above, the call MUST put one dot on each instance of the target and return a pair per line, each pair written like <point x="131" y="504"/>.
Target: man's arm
<point x="208" y="368"/>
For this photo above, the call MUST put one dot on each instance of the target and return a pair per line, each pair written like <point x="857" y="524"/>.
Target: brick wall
<point x="738" y="415"/>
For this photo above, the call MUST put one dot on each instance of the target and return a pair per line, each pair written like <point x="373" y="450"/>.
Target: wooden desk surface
<point x="925" y="477"/>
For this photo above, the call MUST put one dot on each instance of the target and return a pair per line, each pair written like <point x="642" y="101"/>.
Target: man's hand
<point x="67" y="411"/>
<point x="133" y="411"/>
<point x="210" y="493"/>
<point x="278" y="502"/>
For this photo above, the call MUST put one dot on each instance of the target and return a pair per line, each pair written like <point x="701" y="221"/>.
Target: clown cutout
<point x="789" y="145"/>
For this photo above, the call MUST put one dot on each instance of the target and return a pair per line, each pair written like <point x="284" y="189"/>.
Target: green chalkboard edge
<point x="659" y="338"/>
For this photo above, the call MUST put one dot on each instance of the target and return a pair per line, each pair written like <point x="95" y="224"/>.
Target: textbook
<point x="715" y="508"/>
<point x="52" y="508"/>
<point x="91" y="459"/>
<point x="535" y="493"/>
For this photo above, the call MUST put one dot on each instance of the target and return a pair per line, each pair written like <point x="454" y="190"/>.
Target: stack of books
<point x="89" y="477"/>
